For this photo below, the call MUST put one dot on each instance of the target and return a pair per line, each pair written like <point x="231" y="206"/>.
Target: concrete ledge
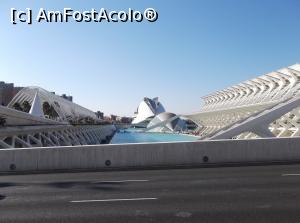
<point x="199" y="153"/>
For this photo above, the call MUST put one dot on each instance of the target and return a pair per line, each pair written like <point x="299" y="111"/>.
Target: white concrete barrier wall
<point x="148" y="155"/>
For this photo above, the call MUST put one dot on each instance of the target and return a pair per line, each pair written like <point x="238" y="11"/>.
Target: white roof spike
<point x="36" y="108"/>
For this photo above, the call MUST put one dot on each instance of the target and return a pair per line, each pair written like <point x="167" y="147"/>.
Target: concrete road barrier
<point x="150" y="155"/>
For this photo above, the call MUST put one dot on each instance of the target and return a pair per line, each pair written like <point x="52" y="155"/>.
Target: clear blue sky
<point x="195" y="47"/>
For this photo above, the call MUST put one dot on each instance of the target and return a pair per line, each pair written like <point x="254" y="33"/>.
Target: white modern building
<point x="266" y="106"/>
<point x="151" y="116"/>
<point x="167" y="122"/>
<point x="146" y="111"/>
<point x="38" y="118"/>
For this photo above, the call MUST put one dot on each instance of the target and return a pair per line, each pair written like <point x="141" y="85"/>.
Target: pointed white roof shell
<point x="36" y="107"/>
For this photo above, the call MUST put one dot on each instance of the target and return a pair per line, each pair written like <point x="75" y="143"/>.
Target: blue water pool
<point x="133" y="136"/>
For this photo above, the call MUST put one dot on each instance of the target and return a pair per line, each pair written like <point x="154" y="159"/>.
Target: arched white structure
<point x="147" y="110"/>
<point x="70" y="124"/>
<point x="65" y="109"/>
<point x="268" y="105"/>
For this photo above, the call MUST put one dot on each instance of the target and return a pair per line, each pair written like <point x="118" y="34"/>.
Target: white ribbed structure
<point x="20" y="129"/>
<point x="54" y="135"/>
<point x="65" y="109"/>
<point x="266" y="105"/>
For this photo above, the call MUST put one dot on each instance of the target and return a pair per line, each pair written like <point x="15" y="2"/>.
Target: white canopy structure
<point x="64" y="110"/>
<point x="265" y="106"/>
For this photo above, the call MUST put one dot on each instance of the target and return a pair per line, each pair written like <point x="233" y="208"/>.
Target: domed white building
<point x="146" y="111"/>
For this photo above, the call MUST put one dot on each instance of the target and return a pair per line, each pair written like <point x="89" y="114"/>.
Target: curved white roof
<point x="65" y="109"/>
<point x="166" y="121"/>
